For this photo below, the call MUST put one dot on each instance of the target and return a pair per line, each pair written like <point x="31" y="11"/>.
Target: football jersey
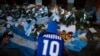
<point x="50" y="45"/>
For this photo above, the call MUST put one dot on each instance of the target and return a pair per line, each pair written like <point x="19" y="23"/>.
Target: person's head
<point x="6" y="36"/>
<point x="52" y="27"/>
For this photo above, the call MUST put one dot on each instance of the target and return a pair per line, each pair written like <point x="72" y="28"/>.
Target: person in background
<point x="49" y="42"/>
<point x="5" y="38"/>
<point x="4" y="42"/>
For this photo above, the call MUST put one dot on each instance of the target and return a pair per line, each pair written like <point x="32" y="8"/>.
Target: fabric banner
<point x="25" y="44"/>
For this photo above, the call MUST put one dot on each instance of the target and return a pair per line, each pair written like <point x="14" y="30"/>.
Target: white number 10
<point x="52" y="44"/>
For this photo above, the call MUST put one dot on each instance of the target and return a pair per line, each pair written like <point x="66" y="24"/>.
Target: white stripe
<point x="23" y="42"/>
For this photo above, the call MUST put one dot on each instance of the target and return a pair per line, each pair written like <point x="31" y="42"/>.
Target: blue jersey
<point x="50" y="45"/>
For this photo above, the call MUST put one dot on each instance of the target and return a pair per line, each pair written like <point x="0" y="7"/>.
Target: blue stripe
<point x="21" y="33"/>
<point x="77" y="45"/>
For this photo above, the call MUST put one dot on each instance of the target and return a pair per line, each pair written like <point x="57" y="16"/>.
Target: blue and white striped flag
<point x="25" y="44"/>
